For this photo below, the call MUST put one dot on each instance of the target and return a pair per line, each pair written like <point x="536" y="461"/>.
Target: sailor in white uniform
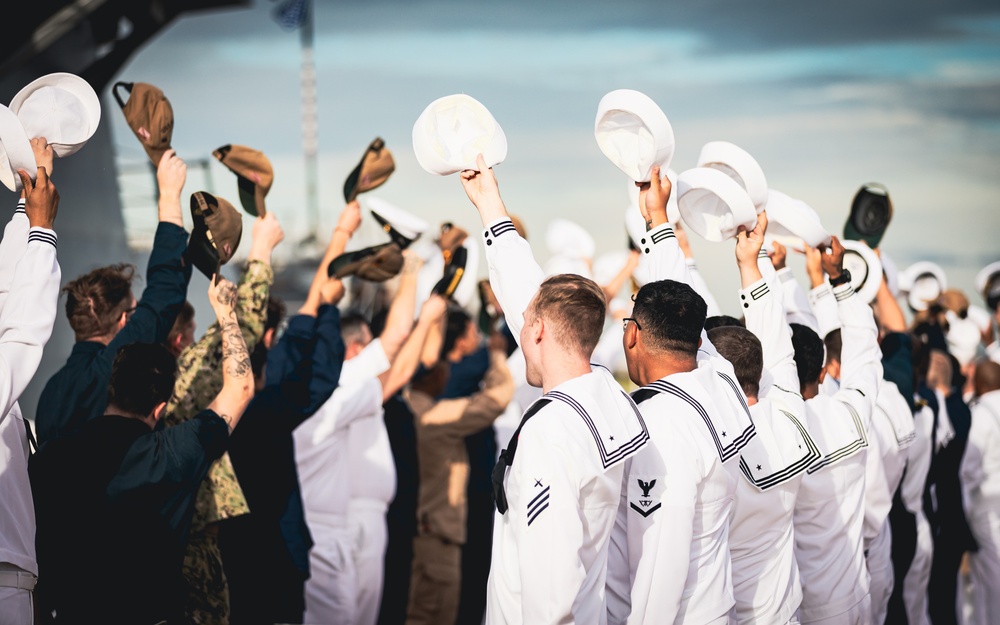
<point x="918" y="465"/>
<point x="980" y="475"/>
<point x="669" y="561"/>
<point x="830" y="507"/>
<point x="558" y="481"/>
<point x="765" y="575"/>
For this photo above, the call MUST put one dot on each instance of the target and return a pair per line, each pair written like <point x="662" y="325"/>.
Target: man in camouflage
<point x="199" y="380"/>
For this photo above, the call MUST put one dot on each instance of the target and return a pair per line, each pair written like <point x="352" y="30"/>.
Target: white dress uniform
<point x="323" y="462"/>
<point x="980" y="475"/>
<point x="550" y="547"/>
<point x="918" y="465"/>
<point x="765" y="575"/>
<point x="678" y="494"/>
<point x="830" y="508"/>
<point x="29" y="293"/>
<point x="795" y="301"/>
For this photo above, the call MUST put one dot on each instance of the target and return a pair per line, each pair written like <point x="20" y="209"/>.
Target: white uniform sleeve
<point x="347" y="405"/>
<point x="619" y="579"/>
<point x="666" y="261"/>
<point x="980" y="435"/>
<point x="878" y="499"/>
<point x="514" y="274"/>
<point x="765" y="318"/>
<point x="15" y="241"/>
<point x="824" y="306"/>
<point x="701" y="287"/>
<point x="795" y="301"/>
<point x="860" y="356"/>
<point x="28" y="315"/>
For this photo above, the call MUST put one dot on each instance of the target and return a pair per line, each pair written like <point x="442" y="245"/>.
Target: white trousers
<point x="984" y="565"/>
<point x="369" y="536"/>
<point x="331" y="590"/>
<point x="16" y="607"/>
<point x="879" y="561"/>
<point x="919" y="575"/>
<point x="860" y="614"/>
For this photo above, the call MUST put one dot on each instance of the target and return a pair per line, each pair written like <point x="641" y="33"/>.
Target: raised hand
<point x="653" y="199"/>
<point x="778" y="254"/>
<point x="350" y="218"/>
<point x="833" y="259"/>
<point x="750" y="242"/>
<point x="814" y="264"/>
<point x="222" y="297"/>
<point x="434" y="308"/>
<point x="481" y="187"/>
<point x="332" y="292"/>
<point x="44" y="156"/>
<point x="42" y="199"/>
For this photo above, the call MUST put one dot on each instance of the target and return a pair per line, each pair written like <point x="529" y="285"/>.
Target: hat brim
<point x="80" y="89"/>
<point x="377" y="263"/>
<point x="251" y="197"/>
<point x="984" y="276"/>
<point x="793" y="222"/>
<point x="447" y="149"/>
<point x="866" y="201"/>
<point x="201" y="252"/>
<point x="737" y="163"/>
<point x="634" y="133"/>
<point x="713" y="205"/>
<point x="865" y="268"/>
<point x="15" y="151"/>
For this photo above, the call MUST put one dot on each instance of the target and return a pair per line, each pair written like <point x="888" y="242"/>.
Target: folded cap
<point x="792" y="222"/>
<point x="61" y="107"/>
<point x="981" y="317"/>
<point x="634" y="133"/>
<point x="254" y="175"/>
<point x="865" y="268"/>
<point x="988" y="284"/>
<point x="712" y="204"/>
<point x="451" y="238"/>
<point x="567" y="238"/>
<point x="377" y="263"/>
<point x="149" y="115"/>
<point x="452" y="131"/>
<point x="216" y="234"/>
<point x="871" y="211"/>
<point x="736" y="163"/>
<point x="454" y="269"/>
<point x="15" y="151"/>
<point x="374" y="168"/>
<point x="923" y="282"/>
<point x="402" y="226"/>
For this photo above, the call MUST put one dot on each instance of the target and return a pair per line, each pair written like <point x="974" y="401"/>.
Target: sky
<point x="825" y="96"/>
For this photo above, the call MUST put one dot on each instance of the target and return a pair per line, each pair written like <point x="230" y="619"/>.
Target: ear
<point x="538" y="329"/>
<point x="268" y="337"/>
<point x="631" y="336"/>
<point x="822" y="374"/>
<point x="175" y="342"/>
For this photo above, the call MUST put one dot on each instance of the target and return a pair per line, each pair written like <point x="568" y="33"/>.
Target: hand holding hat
<point x="61" y="107"/>
<point x="216" y="234"/>
<point x="748" y="246"/>
<point x="41" y="199"/>
<point x="832" y="258"/>
<point x="480" y="185"/>
<point x="653" y="198"/>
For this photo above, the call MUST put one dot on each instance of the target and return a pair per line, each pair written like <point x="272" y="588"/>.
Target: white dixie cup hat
<point x="452" y="130"/>
<point x="634" y="133"/>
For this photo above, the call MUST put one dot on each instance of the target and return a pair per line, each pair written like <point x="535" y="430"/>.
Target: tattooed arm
<point x="237" y="377"/>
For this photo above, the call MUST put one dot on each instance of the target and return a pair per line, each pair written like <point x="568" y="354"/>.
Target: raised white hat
<point x="712" y="204"/>
<point x="985" y="276"/>
<point x="390" y="215"/>
<point x="865" y="268"/>
<point x="791" y="222"/>
<point x="567" y="264"/>
<point x="15" y="150"/>
<point x="608" y="264"/>
<point x="634" y="133"/>
<point x="736" y="163"/>
<point x="981" y="317"/>
<point x="452" y="130"/>
<point x="61" y="107"/>
<point x="923" y="282"/>
<point x="673" y="214"/>
<point x="963" y="337"/>
<point x="568" y="238"/>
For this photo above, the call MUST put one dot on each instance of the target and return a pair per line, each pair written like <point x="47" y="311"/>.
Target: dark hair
<point x="352" y="325"/>
<point x="456" y="325"/>
<point x="142" y="376"/>
<point x="671" y="315"/>
<point x="808" y="353"/>
<point x="834" y="343"/>
<point x="276" y="311"/>
<point x="722" y="321"/>
<point x="96" y="300"/>
<point x="577" y="309"/>
<point x="742" y="348"/>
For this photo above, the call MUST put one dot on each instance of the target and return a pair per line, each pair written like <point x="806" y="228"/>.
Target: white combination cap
<point x="391" y="216"/>
<point x="712" y="204"/>
<point x="61" y="107"/>
<point x="452" y="131"/>
<point x="633" y="133"/>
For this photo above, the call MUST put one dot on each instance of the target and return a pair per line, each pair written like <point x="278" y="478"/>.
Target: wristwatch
<point x="843" y="278"/>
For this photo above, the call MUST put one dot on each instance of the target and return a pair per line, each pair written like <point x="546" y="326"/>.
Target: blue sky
<point x="826" y="98"/>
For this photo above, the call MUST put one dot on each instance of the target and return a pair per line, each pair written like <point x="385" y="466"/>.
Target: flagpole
<point x="310" y="139"/>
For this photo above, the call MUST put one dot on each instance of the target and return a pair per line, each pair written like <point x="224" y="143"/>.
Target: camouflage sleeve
<point x="199" y="371"/>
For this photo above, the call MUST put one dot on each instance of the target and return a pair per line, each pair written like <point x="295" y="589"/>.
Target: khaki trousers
<point x="435" y="583"/>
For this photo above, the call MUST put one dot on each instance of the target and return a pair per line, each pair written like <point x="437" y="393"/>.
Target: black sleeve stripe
<point x="759" y="292"/>
<point x="663" y="235"/>
<point x="544" y="493"/>
<point x="504" y="226"/>
<point x="842" y="295"/>
<point x="44" y="237"/>
<point x="532" y="518"/>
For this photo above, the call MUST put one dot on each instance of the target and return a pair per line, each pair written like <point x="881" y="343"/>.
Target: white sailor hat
<point x="396" y="221"/>
<point x="634" y="133"/>
<point x="891" y="273"/>
<point x="923" y="282"/>
<point x="608" y="264"/>
<point x="736" y="163"/>
<point x="981" y="317"/>
<point x="673" y="214"/>
<point x="15" y="150"/>
<point x="792" y="222"/>
<point x="567" y="264"/>
<point x="865" y="268"/>
<point x="963" y="337"/>
<point x="988" y="284"/>
<point x="452" y="131"/>
<point x="61" y="107"/>
<point x="569" y="239"/>
<point x="712" y="204"/>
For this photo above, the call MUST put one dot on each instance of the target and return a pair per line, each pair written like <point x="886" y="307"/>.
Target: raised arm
<point x="697" y="281"/>
<point x="515" y="275"/>
<point x="237" y="375"/>
<point x="399" y="321"/>
<point x="15" y="236"/>
<point x="890" y="314"/>
<point x="821" y="298"/>
<point x="347" y="225"/>
<point x="404" y="365"/>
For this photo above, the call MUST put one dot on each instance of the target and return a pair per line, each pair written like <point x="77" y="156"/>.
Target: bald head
<point x="987" y="377"/>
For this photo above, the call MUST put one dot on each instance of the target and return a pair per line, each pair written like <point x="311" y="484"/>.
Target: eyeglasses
<point x="633" y="320"/>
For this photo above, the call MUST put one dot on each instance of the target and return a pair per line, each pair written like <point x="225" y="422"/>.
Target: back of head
<point x="456" y="326"/>
<point x="95" y="301"/>
<point x="987" y="377"/>
<point x="276" y="311"/>
<point x="671" y="316"/>
<point x="808" y="353"/>
<point x="575" y="308"/>
<point x="142" y="377"/>
<point x="833" y="342"/>
<point x="743" y="350"/>
<point x="721" y="321"/>
<point x="354" y="328"/>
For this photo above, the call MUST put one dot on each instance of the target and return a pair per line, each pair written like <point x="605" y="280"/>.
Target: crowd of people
<point x="553" y="455"/>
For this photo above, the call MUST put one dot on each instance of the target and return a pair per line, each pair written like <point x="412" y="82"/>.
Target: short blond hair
<point x="576" y="307"/>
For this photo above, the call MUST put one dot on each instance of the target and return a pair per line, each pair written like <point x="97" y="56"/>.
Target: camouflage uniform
<point x="220" y="497"/>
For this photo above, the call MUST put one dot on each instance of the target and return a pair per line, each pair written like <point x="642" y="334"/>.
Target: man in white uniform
<point x="557" y="498"/>
<point x="29" y="293"/>
<point x="981" y="482"/>
<point x="830" y="507"/>
<point x="669" y="560"/>
<point x="373" y="371"/>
